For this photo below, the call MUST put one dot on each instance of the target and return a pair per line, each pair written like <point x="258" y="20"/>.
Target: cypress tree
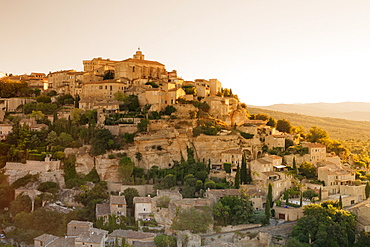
<point x="301" y="199"/>
<point x="243" y="171"/>
<point x="267" y="212"/>
<point x="237" y="178"/>
<point x="269" y="195"/>
<point x="340" y="203"/>
<point x="367" y="190"/>
<point x="294" y="165"/>
<point x="320" y="195"/>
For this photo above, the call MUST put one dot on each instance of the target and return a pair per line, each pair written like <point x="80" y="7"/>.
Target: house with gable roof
<point x="142" y="208"/>
<point x="117" y="206"/>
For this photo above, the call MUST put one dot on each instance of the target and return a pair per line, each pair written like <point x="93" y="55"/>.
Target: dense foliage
<point x="325" y="225"/>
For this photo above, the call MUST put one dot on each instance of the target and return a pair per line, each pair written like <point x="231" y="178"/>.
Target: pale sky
<point x="267" y="51"/>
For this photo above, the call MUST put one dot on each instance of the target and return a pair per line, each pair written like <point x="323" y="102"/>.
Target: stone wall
<point x="182" y="110"/>
<point x="143" y="190"/>
<point x="33" y="165"/>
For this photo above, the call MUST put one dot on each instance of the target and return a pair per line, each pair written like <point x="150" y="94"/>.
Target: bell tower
<point x="139" y="55"/>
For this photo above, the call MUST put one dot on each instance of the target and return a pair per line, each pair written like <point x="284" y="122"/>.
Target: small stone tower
<point x="139" y="55"/>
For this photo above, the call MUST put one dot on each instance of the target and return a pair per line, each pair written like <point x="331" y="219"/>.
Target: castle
<point x="149" y="80"/>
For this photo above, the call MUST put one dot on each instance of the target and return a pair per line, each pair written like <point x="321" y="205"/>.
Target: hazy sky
<point x="267" y="51"/>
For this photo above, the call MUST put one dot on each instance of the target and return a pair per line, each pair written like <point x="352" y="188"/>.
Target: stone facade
<point x="143" y="208"/>
<point x="5" y="130"/>
<point x="316" y="151"/>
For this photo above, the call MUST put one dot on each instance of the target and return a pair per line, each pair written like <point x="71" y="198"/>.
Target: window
<point x="120" y="205"/>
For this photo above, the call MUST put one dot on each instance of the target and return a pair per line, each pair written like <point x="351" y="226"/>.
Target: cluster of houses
<point x="102" y="79"/>
<point x="82" y="233"/>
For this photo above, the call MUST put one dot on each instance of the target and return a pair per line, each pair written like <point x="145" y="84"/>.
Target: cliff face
<point x="161" y="148"/>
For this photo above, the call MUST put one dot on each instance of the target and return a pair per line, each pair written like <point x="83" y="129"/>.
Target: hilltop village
<point x="126" y="153"/>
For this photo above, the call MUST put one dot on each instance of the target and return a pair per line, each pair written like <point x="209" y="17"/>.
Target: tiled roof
<point x="131" y="234"/>
<point x="313" y="145"/>
<point x="271" y="173"/>
<point x="102" y="209"/>
<point x="63" y="242"/>
<point x="142" y="200"/>
<point x="117" y="199"/>
<point x="143" y="244"/>
<point x="142" y="61"/>
<point x="46" y="238"/>
<point x="336" y="170"/>
<point x="226" y="192"/>
<point x="90" y="237"/>
<point x="264" y="161"/>
<point x="80" y="223"/>
<point x="233" y="151"/>
<point x="275" y="157"/>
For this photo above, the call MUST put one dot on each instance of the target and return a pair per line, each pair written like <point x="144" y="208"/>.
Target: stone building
<point x="66" y="82"/>
<point x="142" y="208"/>
<point x="117" y="206"/>
<point x="340" y="181"/>
<point x="136" y="68"/>
<point x="316" y="151"/>
<point x="103" y="89"/>
<point x="5" y="130"/>
<point x="219" y="106"/>
<point x="233" y="156"/>
<point x="97" y="68"/>
<point x="275" y="141"/>
<point x="133" y="238"/>
<point x="79" y="234"/>
<point x="362" y="210"/>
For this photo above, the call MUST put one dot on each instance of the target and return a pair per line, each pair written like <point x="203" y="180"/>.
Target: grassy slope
<point x="339" y="129"/>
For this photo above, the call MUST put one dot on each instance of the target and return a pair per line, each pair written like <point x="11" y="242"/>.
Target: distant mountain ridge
<point x="356" y="111"/>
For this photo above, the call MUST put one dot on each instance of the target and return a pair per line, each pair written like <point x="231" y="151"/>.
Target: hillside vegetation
<point x="339" y="129"/>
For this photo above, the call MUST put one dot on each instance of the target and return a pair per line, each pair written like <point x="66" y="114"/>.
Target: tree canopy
<point x="325" y="226"/>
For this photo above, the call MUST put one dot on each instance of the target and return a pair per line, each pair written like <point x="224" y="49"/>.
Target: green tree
<point x="317" y="134"/>
<point x="168" y="181"/>
<point x="142" y="126"/>
<point x="125" y="169"/>
<point x="221" y="214"/>
<point x="367" y="190"/>
<point x="169" y="110"/>
<point x="162" y="240"/>
<point x="243" y="171"/>
<point x="269" y="195"/>
<point x="235" y="210"/>
<point x="43" y="99"/>
<point x="284" y="125"/>
<point x="237" y="178"/>
<point x="271" y="122"/>
<point x="325" y="226"/>
<point x="197" y="221"/>
<point x="98" y="194"/>
<point x="309" y="194"/>
<point x="92" y="176"/>
<point x="119" y="96"/>
<point x="103" y="140"/>
<point x="340" y="203"/>
<point x="21" y="204"/>
<point x="308" y="170"/>
<point x="129" y="194"/>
